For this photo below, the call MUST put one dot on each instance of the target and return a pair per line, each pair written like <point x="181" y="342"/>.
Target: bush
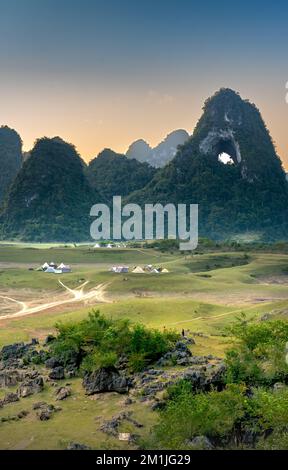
<point x="259" y="354"/>
<point x="100" y="341"/>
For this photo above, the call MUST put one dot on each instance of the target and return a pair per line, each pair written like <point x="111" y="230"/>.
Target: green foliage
<point x="113" y="174"/>
<point x="213" y="414"/>
<point x="10" y="158"/>
<point x="96" y="360"/>
<point x="50" y="199"/>
<point x="259" y="356"/>
<point x="99" y="341"/>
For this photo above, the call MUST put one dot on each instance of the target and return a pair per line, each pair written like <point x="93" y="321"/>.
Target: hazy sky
<point x="104" y="73"/>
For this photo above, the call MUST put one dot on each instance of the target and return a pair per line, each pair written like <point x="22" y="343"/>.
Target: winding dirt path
<point x="96" y="294"/>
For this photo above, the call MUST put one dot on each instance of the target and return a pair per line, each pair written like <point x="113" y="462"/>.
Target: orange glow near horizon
<point x="94" y="121"/>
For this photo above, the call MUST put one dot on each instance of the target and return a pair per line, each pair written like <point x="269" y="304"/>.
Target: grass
<point x="201" y="293"/>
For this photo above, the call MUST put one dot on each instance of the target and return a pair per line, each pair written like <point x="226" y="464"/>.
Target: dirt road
<point x="96" y="294"/>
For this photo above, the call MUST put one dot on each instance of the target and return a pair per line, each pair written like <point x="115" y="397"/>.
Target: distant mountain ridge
<point x="162" y="154"/>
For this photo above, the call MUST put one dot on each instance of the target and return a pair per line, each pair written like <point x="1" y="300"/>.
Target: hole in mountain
<point x="226" y="151"/>
<point x="225" y="158"/>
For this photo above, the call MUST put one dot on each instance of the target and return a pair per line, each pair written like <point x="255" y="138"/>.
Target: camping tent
<point x="50" y="270"/>
<point x="165" y="270"/>
<point x="97" y="245"/>
<point x="64" y="268"/>
<point x="120" y="269"/>
<point x="45" y="266"/>
<point x="138" y="270"/>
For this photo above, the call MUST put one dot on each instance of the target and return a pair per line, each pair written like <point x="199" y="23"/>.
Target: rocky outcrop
<point x="111" y="426"/>
<point x="57" y="373"/>
<point x="31" y="386"/>
<point x="10" y="378"/>
<point x="200" y="443"/>
<point x="77" y="446"/>
<point x="106" y="380"/>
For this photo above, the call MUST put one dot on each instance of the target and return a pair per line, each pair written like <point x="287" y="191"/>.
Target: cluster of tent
<point x="55" y="268"/>
<point x="110" y="245"/>
<point x="149" y="268"/>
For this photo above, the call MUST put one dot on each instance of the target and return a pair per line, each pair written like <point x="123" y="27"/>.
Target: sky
<point x="105" y="73"/>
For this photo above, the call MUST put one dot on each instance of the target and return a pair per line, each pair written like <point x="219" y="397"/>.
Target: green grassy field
<point x="201" y="293"/>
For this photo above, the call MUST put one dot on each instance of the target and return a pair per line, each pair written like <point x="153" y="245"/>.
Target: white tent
<point x="120" y="269"/>
<point x="97" y="245"/>
<point x="165" y="270"/>
<point x="155" y="271"/>
<point x="45" y="266"/>
<point x="138" y="270"/>
<point x="50" y="270"/>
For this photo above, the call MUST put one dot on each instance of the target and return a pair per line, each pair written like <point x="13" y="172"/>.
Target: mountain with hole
<point x="229" y="167"/>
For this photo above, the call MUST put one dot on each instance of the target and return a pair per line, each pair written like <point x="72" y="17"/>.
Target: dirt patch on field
<point x="280" y="279"/>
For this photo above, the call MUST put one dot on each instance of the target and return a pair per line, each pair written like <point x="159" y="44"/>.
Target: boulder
<point x="201" y="442"/>
<point x="57" y="373"/>
<point x="111" y="426"/>
<point x="30" y="387"/>
<point x="10" y="378"/>
<point x="62" y="393"/>
<point x="77" y="446"/>
<point x="105" y="380"/>
<point x="10" y="398"/>
<point x="52" y="362"/>
<point x="45" y="411"/>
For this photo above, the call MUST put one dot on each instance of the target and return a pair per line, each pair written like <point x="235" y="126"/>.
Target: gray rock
<point x="52" y="362"/>
<point x="10" y="378"/>
<point x="38" y="405"/>
<point x="278" y="386"/>
<point x="57" y="373"/>
<point x="62" y="393"/>
<point x="105" y="380"/>
<point x="10" y="398"/>
<point x="30" y="387"/>
<point x="45" y="411"/>
<point x="77" y="446"/>
<point x="201" y="442"/>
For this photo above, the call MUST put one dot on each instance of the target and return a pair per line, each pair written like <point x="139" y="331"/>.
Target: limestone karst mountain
<point x="10" y="157"/>
<point x="50" y="199"/>
<point x="248" y="194"/>
<point x="162" y="154"/>
<point x="114" y="174"/>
